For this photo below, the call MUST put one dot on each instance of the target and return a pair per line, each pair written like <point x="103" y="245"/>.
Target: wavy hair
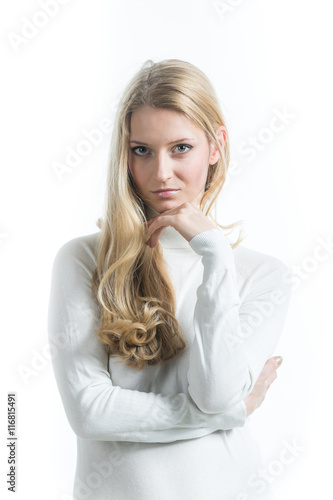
<point x="131" y="281"/>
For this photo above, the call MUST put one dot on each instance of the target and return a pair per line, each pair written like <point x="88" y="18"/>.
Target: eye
<point x="138" y="147"/>
<point x="183" y="146"/>
<point x="144" y="148"/>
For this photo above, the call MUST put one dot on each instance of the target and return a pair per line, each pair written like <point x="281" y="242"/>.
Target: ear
<point x="221" y="133"/>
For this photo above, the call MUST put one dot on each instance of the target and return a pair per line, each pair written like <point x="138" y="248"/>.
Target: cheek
<point x="137" y="174"/>
<point x="197" y="169"/>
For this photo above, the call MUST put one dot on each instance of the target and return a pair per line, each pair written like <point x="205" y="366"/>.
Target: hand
<point x="266" y="377"/>
<point x="188" y="219"/>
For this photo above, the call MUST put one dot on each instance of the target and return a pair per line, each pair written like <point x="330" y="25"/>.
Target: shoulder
<point x="258" y="270"/>
<point x="80" y="251"/>
<point x="249" y="262"/>
<point x="71" y="294"/>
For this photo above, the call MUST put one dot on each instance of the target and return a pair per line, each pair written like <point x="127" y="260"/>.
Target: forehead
<point x="159" y="125"/>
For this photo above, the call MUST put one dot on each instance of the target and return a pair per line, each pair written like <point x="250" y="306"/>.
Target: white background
<point x="262" y="57"/>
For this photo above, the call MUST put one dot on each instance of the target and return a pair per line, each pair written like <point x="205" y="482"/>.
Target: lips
<point x="163" y="190"/>
<point x="166" y="193"/>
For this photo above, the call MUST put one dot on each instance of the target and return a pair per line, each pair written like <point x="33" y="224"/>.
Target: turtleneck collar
<point x="170" y="238"/>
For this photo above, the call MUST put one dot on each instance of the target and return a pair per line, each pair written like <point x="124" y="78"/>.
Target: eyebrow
<point x="169" y="144"/>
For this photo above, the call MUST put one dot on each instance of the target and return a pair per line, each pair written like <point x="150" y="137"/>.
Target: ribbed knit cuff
<point x="215" y="249"/>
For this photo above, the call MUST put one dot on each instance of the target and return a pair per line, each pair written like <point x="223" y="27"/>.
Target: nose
<point x="162" y="168"/>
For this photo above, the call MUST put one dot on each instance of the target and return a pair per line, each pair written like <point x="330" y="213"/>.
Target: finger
<point x="271" y="365"/>
<point x="153" y="241"/>
<point x="271" y="378"/>
<point x="159" y="222"/>
<point x="278" y="360"/>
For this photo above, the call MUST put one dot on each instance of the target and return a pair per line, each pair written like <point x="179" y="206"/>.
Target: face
<point x="167" y="151"/>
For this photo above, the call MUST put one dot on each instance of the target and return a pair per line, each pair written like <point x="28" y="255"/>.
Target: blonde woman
<point x="165" y="330"/>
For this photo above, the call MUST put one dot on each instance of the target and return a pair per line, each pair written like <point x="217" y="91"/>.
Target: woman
<point x="166" y="329"/>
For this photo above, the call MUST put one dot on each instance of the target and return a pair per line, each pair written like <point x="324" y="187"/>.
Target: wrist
<point x="249" y="404"/>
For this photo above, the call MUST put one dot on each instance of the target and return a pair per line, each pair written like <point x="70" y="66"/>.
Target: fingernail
<point x="279" y="359"/>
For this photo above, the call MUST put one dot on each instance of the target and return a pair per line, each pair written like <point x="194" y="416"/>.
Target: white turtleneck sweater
<point x="177" y="430"/>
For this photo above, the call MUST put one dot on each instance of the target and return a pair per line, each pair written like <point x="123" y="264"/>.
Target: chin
<point x="164" y="205"/>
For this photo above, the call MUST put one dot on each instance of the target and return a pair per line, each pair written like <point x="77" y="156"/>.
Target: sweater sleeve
<point x="233" y="339"/>
<point x="95" y="408"/>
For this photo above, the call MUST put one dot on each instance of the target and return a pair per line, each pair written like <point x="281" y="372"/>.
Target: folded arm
<point x="96" y="409"/>
<point x="233" y="340"/>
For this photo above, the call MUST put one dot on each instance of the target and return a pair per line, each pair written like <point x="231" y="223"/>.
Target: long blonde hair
<point x="131" y="281"/>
